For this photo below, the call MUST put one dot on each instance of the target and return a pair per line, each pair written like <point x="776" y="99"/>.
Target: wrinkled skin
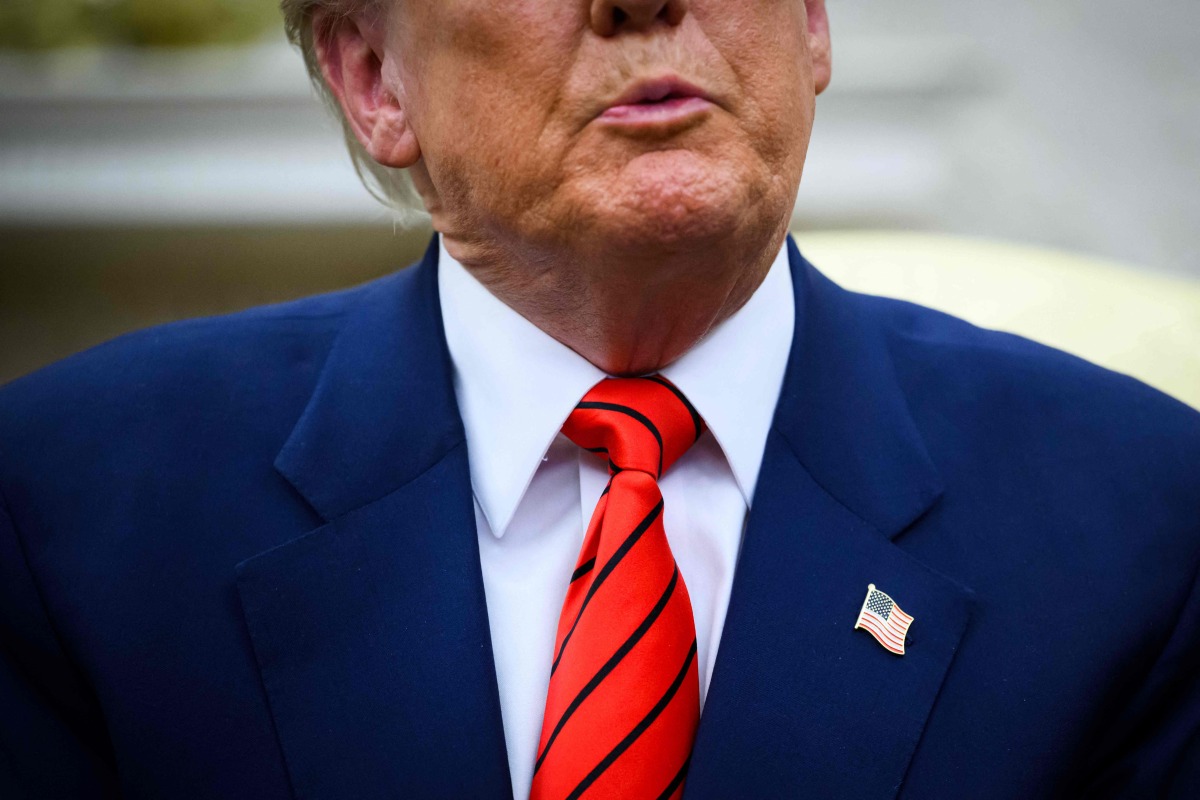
<point x="626" y="243"/>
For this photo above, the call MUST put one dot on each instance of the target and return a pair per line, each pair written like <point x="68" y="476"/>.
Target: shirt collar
<point x="733" y="376"/>
<point x="516" y="384"/>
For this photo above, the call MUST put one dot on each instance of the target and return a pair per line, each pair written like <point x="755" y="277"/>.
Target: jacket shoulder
<point x="177" y="355"/>
<point x="168" y="387"/>
<point x="1021" y="401"/>
<point x="919" y="333"/>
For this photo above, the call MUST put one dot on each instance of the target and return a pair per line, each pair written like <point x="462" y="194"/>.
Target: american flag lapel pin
<point x="883" y="619"/>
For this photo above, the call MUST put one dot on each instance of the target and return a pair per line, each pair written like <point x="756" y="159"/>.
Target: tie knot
<point x="642" y="424"/>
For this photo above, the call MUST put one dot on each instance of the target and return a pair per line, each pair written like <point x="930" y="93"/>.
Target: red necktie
<point x="624" y="696"/>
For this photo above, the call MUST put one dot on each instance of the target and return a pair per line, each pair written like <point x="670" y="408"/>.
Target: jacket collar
<point x="387" y="389"/>
<point x="843" y="411"/>
<point x="384" y="409"/>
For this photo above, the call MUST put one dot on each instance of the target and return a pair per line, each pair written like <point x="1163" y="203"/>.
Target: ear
<point x="819" y="49"/>
<point x="351" y="52"/>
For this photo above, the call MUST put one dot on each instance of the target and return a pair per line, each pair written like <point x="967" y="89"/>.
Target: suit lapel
<point x="799" y="700"/>
<point x="371" y="632"/>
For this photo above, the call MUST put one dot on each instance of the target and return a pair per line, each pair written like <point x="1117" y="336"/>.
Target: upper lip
<point x="655" y="89"/>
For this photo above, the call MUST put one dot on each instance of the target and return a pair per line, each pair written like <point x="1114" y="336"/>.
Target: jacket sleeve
<point x="1154" y="750"/>
<point x="52" y="737"/>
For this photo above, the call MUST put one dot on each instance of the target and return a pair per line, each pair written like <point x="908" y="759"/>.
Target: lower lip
<point x="673" y="110"/>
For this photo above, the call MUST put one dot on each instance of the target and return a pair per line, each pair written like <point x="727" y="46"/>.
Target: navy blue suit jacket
<point x="238" y="559"/>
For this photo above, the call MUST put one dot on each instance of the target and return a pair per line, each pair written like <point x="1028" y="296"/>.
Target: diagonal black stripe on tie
<point x="611" y="664"/>
<point x="691" y="409"/>
<point x="678" y="779"/>
<point x="605" y="571"/>
<point x="632" y="413"/>
<point x="583" y="569"/>
<point x="638" y="730"/>
<point x="613" y="467"/>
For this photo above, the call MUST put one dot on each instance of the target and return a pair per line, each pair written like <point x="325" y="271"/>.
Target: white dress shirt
<point x="535" y="490"/>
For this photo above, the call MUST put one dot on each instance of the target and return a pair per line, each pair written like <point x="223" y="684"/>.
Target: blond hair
<point x="390" y="186"/>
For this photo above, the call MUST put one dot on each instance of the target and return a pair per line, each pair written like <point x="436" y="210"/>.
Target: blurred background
<point x="1031" y="165"/>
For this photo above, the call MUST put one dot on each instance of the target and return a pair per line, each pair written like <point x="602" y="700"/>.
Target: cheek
<point x="489" y="74"/>
<point x="764" y="43"/>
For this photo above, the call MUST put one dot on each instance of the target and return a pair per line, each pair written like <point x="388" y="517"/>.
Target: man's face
<point x="623" y="122"/>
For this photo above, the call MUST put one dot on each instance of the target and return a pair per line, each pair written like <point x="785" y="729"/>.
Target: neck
<point x="628" y="311"/>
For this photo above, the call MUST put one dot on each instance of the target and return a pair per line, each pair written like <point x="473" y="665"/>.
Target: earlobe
<point x="392" y="141"/>
<point x="819" y="48"/>
<point x="350" y="52"/>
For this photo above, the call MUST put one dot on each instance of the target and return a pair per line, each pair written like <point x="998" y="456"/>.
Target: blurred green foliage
<point x="42" y="24"/>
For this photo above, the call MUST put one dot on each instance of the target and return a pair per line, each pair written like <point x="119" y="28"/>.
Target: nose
<point x="610" y="17"/>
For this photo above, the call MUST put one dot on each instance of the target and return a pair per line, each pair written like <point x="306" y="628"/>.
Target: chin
<point x="679" y="200"/>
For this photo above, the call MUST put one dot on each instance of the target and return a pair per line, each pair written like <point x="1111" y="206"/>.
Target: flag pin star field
<point x="883" y="619"/>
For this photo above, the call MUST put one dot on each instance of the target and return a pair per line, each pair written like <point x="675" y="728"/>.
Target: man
<point x="412" y="540"/>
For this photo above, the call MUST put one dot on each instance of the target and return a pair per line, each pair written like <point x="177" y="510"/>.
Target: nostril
<point x="612" y="17"/>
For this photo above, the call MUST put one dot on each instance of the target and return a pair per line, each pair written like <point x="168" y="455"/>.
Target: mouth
<point x="655" y="102"/>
